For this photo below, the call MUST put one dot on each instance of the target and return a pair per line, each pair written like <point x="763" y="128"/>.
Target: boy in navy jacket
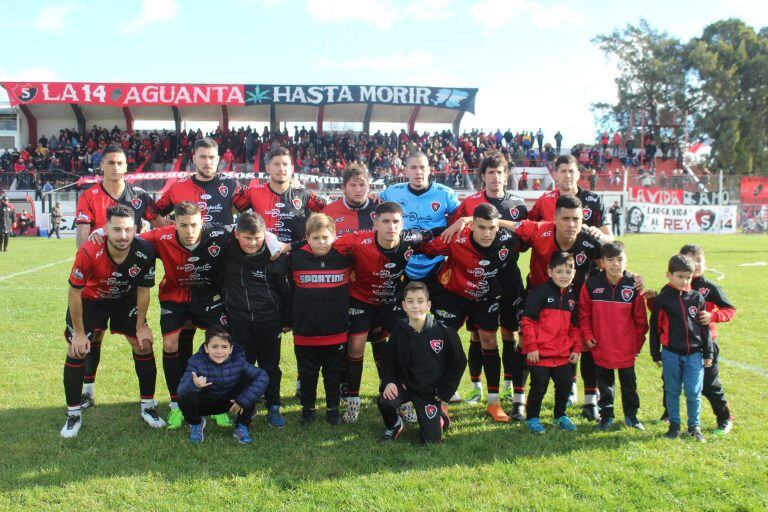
<point x="687" y="346"/>
<point x="219" y="379"/>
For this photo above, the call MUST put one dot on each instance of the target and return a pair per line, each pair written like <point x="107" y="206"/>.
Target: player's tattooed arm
<point x="81" y="234"/>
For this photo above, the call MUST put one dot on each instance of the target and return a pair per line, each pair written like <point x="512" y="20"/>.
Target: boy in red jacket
<point x="551" y="341"/>
<point x="613" y="324"/>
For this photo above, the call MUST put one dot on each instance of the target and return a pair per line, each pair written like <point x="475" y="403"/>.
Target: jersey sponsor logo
<point x="321" y="278"/>
<point x="166" y="237"/>
<point x="503" y="252"/>
<point x="77" y="273"/>
<point x="83" y="216"/>
<point x="435" y="206"/>
<point x="367" y="241"/>
<point x="141" y="255"/>
<point x="202" y="205"/>
<point x="134" y="271"/>
<point x="151" y="273"/>
<point x="355" y="312"/>
<point x="216" y="234"/>
<point x="692" y="311"/>
<point x="214" y="250"/>
<point x="587" y="213"/>
<point x="279" y="205"/>
<point x="296" y="202"/>
<point x="205" y="197"/>
<point x="483" y="263"/>
<point x="444" y="314"/>
<point x="477" y="272"/>
<point x="95" y="191"/>
<point x="430" y="410"/>
<point x="407" y="254"/>
<point x="223" y="190"/>
<point x="193" y="259"/>
<point x="598" y="291"/>
<point x="117" y="274"/>
<point x="339" y="220"/>
<point x="581" y="258"/>
<point x="550" y="299"/>
<point x="704" y="291"/>
<point x="136" y="203"/>
<point x="546" y="234"/>
<point x="627" y="294"/>
<point x="436" y="345"/>
<point x="207" y="219"/>
<point x="390" y="265"/>
<point x="494" y="308"/>
<point x="588" y="245"/>
<point x="274" y="212"/>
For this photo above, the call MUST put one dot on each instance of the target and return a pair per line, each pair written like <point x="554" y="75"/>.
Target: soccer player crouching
<point x="219" y="379"/>
<point x="320" y="321"/>
<point x="613" y="325"/>
<point x="423" y="363"/>
<point x="109" y="283"/>
<point x="551" y="341"/>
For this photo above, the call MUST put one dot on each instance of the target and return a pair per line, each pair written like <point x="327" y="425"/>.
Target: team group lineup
<point x="370" y="268"/>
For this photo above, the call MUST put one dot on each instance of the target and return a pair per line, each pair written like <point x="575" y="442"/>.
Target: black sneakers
<point x="391" y="435"/>
<point x="695" y="432"/>
<point x="307" y="416"/>
<point x="590" y="412"/>
<point x="332" y="416"/>
<point x="674" y="431"/>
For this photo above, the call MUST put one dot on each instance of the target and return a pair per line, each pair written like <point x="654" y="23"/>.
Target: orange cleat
<point x="497" y="413"/>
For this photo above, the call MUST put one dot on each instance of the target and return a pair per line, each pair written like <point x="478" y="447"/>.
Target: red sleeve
<point x="526" y="231"/>
<point x="535" y="214"/>
<point x="575" y="334"/>
<point x="641" y="321"/>
<point x="435" y="247"/>
<point x="585" y="314"/>
<point x="163" y="206"/>
<point x="346" y="243"/>
<point x="529" y="331"/>
<point x="151" y="237"/>
<point x="722" y="315"/>
<point x="84" y="211"/>
<point x="461" y="211"/>
<point x="81" y="269"/>
<point x="316" y="203"/>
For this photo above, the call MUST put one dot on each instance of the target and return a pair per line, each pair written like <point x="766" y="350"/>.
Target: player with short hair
<point x="353" y="211"/>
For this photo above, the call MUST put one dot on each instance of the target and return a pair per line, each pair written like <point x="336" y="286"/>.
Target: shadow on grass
<point x="114" y="442"/>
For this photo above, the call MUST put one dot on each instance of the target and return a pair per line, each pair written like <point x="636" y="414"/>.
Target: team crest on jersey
<point x="136" y="203"/>
<point x="503" y="252"/>
<point x="134" y="271"/>
<point x="581" y="258"/>
<point x="704" y="291"/>
<point x="435" y="206"/>
<point x="571" y="303"/>
<point x="430" y="410"/>
<point x="514" y="213"/>
<point x="214" y="250"/>
<point x="296" y="202"/>
<point x="627" y="294"/>
<point x="692" y="311"/>
<point x="223" y="190"/>
<point x="437" y="345"/>
<point x="587" y="213"/>
<point x="407" y="255"/>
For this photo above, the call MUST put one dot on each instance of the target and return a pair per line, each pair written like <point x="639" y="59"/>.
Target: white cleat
<point x="151" y="418"/>
<point x="72" y="426"/>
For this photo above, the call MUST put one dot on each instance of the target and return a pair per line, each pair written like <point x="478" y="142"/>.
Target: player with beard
<point x="354" y="210"/>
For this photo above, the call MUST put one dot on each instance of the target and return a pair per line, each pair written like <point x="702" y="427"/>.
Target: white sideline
<point x="41" y="267"/>
<point x="720" y="275"/>
<point x="747" y="367"/>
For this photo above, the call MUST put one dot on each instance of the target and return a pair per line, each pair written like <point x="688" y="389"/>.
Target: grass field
<point x="119" y="463"/>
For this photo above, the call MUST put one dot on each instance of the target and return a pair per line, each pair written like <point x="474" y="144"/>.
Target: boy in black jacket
<point x="423" y="363"/>
<point x="257" y="296"/>
<point x="219" y="379"/>
<point x="687" y="346"/>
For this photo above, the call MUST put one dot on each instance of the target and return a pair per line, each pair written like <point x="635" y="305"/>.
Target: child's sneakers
<point x="673" y="432"/>
<point x="475" y="396"/>
<point x="407" y="412"/>
<point x="390" y="435"/>
<point x="274" y="417"/>
<point x="72" y="426"/>
<point x="605" y="424"/>
<point x="223" y="420"/>
<point x="590" y="412"/>
<point x="535" y="426"/>
<point x="564" y="423"/>
<point x="197" y="432"/>
<point x="497" y="413"/>
<point x="664" y="417"/>
<point x="633" y="422"/>
<point x="723" y="427"/>
<point x="332" y="416"/>
<point x="518" y="412"/>
<point x="307" y="417"/>
<point x="695" y="432"/>
<point x="353" y="409"/>
<point x="241" y="434"/>
<point x="175" y="419"/>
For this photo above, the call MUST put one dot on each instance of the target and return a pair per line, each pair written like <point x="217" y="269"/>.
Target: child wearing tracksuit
<point x="219" y="379"/>
<point x="551" y="341"/>
<point x="613" y="325"/>
<point x="680" y="344"/>
<point x="423" y="363"/>
<point x="320" y="316"/>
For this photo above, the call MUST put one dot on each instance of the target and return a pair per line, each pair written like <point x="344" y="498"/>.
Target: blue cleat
<point x="274" y="417"/>
<point x="196" y="434"/>
<point x="535" y="426"/>
<point x="564" y="423"/>
<point x="241" y="434"/>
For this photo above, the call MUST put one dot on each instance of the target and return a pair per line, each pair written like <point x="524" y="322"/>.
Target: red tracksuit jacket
<point x="613" y="316"/>
<point x="549" y="325"/>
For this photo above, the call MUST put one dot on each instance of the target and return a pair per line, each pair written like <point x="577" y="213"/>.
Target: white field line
<point x="746" y="367"/>
<point x="41" y="267"/>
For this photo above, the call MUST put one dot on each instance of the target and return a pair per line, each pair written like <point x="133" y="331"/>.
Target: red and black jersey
<point x="378" y="272"/>
<point x="541" y="237"/>
<point x="190" y="275"/>
<point x="350" y="219"/>
<point x="549" y="324"/>
<point x="320" y="297"/>
<point x="215" y="198"/>
<point x="718" y="306"/>
<point x="101" y="278"/>
<point x="471" y="271"/>
<point x="675" y="323"/>
<point x="613" y="316"/>
<point x="285" y="214"/>
<point x="592" y="205"/>
<point x="510" y="206"/>
<point x="93" y="203"/>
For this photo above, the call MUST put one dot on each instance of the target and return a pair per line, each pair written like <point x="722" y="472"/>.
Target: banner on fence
<point x="656" y="218"/>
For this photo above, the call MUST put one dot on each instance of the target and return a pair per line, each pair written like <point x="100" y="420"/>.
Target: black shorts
<point x="202" y="314"/>
<point x="453" y="310"/>
<point x="511" y="304"/>
<point x="376" y="320"/>
<point x="119" y="315"/>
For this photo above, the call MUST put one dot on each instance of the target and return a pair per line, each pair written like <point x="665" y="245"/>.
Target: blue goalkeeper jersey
<point x="427" y="210"/>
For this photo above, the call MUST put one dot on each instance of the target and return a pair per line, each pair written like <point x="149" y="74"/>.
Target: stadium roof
<point x="46" y="103"/>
